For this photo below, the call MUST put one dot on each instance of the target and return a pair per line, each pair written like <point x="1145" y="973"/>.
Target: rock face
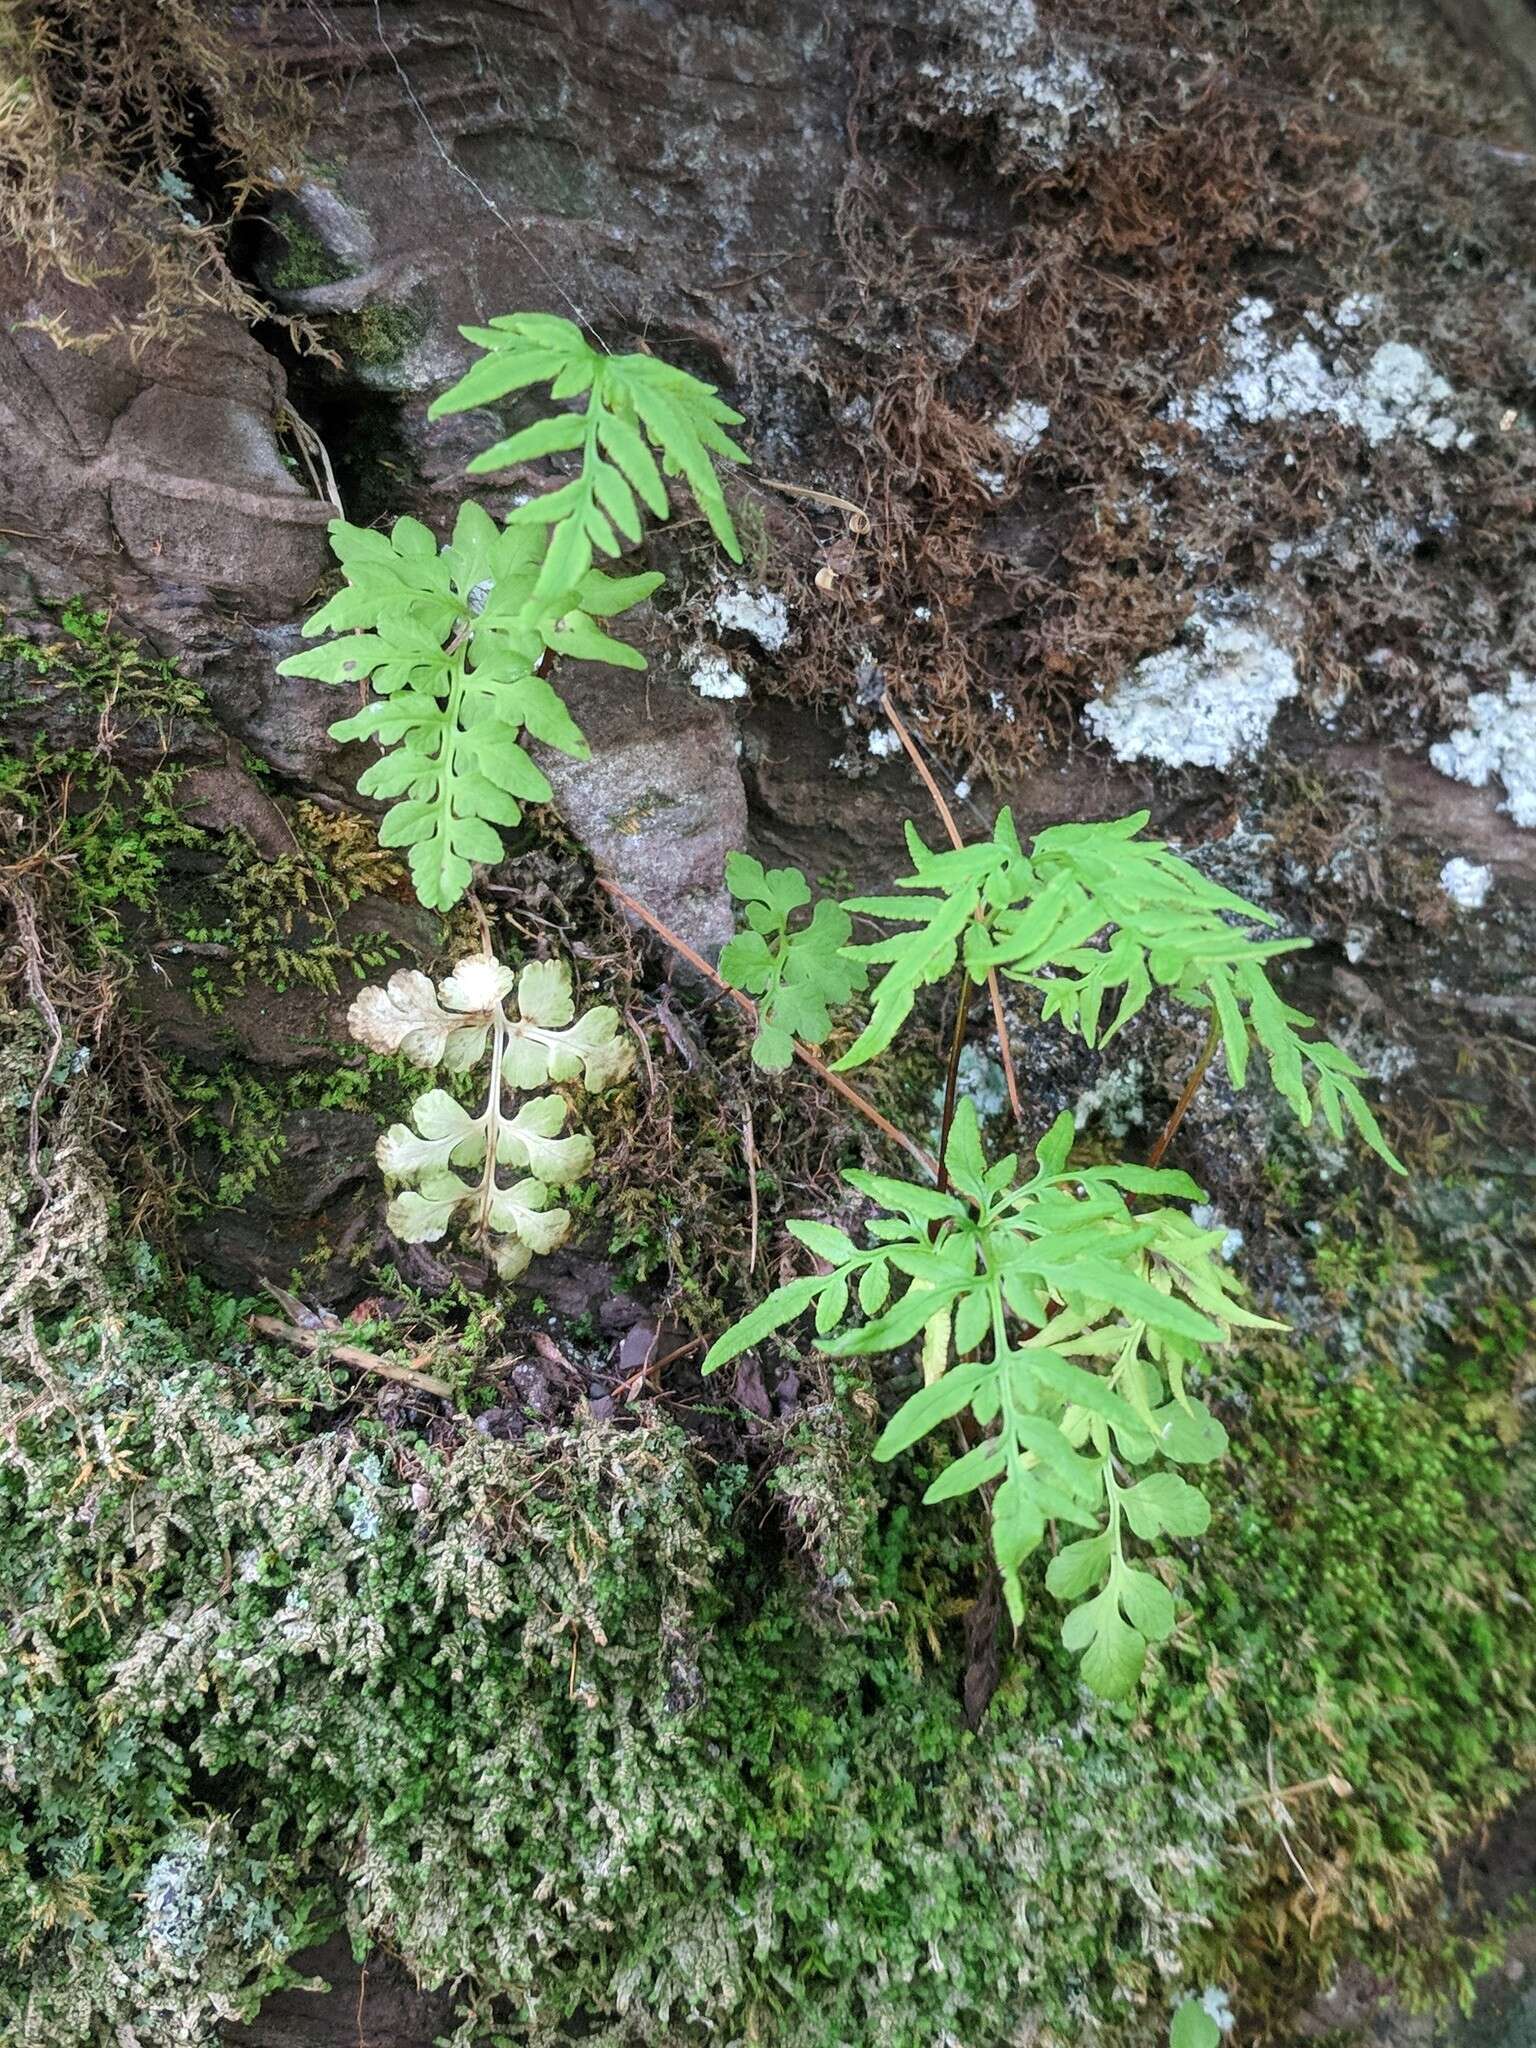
<point x="1145" y="406"/>
<point x="158" y="478"/>
<point x="661" y="802"/>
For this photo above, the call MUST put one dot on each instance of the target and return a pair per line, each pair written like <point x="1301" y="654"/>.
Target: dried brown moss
<point x="131" y="136"/>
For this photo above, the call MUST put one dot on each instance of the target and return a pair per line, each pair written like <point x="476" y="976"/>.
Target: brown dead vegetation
<point x="1100" y="288"/>
<point x="131" y="136"/>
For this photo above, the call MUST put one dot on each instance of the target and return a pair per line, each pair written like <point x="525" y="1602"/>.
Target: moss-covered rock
<point x="549" y="1720"/>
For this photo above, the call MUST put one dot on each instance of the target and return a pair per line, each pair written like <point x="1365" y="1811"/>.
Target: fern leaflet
<point x="634" y="404"/>
<point x="799" y="973"/>
<point x="450" y="639"/>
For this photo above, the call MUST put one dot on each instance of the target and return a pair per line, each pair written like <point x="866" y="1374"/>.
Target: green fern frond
<point x="955" y="886"/>
<point x="634" y="404"/>
<point x="1092" y="920"/>
<point x="450" y="640"/>
<point x="1072" y="1319"/>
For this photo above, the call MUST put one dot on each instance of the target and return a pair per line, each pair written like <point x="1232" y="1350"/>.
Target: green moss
<point x="237" y="1117"/>
<point x="376" y="334"/>
<point x="304" y="259"/>
<point x="279" y="922"/>
<point x="553" y="1721"/>
<point x="117" y="674"/>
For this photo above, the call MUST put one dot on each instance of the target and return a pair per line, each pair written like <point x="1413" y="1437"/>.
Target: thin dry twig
<point x="318" y="1343"/>
<point x="1191" y="1087"/>
<point x="858" y="518"/>
<point x="749" y="1153"/>
<point x="748" y="1009"/>
<point x="994" y="990"/>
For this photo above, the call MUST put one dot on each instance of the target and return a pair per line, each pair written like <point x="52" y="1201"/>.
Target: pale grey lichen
<point x="981" y="1081"/>
<point x="762" y="613"/>
<point x="1114" y="1101"/>
<point x="1499" y="739"/>
<point x="1396" y="391"/>
<point x="177" y="1904"/>
<point x="1466" y="882"/>
<point x="1219" y="2007"/>
<point x="1004" y="68"/>
<point x="1205" y="1216"/>
<point x="712" y="676"/>
<point x="1204" y="703"/>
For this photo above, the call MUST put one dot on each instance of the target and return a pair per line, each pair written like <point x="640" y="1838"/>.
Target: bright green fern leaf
<point x="1074" y="1320"/>
<point x="798" y="974"/>
<point x="1093" y="920"/>
<point x="632" y="405"/>
<point x="450" y="640"/>
<point x="956" y="886"/>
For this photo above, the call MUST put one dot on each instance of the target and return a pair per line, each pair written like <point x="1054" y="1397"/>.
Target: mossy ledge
<point x="550" y="1721"/>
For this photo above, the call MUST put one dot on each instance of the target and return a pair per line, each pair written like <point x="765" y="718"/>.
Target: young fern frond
<point x="798" y="974"/>
<point x="1073" y="1320"/>
<point x="634" y="404"/>
<point x="450" y="639"/>
<point x="1091" y="920"/>
<point x="533" y="1039"/>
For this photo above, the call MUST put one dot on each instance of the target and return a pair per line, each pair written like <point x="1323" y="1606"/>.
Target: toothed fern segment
<point x="798" y="974"/>
<point x="1072" y="1321"/>
<point x="450" y="639"/>
<point x="534" y="1039"/>
<point x="633" y="404"/>
<point x="1093" y="917"/>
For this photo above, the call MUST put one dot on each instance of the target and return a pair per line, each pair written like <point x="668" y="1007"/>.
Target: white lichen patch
<point x="1205" y="1216"/>
<point x="1397" y="390"/>
<point x="712" y="676"/>
<point x="1202" y="704"/>
<point x="1466" y="882"/>
<point x="1005" y="69"/>
<point x="1219" y="2007"/>
<point x="1499" y="739"/>
<point x="1022" y="426"/>
<point x="1114" y="1102"/>
<point x="883" y="743"/>
<point x="762" y="613"/>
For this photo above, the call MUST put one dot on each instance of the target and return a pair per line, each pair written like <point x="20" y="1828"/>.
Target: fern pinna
<point x="453" y="640"/>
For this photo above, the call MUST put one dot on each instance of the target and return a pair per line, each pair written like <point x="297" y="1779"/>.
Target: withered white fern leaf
<point x="447" y="1163"/>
